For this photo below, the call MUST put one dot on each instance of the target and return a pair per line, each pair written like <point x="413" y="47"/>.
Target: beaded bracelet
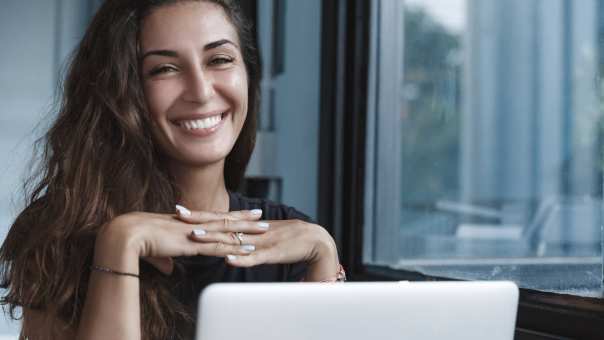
<point x="111" y="271"/>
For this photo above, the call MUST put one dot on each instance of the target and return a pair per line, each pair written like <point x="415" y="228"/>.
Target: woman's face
<point x="195" y="81"/>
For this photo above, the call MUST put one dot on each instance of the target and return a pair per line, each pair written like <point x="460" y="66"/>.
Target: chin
<point x="197" y="153"/>
<point x="200" y="159"/>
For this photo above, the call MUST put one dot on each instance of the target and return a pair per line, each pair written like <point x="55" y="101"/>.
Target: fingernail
<point x="262" y="225"/>
<point x="199" y="232"/>
<point x="248" y="248"/>
<point x="182" y="211"/>
<point x="256" y="211"/>
<point x="231" y="257"/>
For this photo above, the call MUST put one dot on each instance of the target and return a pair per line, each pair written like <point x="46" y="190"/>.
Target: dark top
<point x="195" y="273"/>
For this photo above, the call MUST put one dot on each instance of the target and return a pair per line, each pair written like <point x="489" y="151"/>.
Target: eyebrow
<point x="174" y="54"/>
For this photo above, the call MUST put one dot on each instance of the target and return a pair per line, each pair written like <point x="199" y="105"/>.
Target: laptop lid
<point x="358" y="311"/>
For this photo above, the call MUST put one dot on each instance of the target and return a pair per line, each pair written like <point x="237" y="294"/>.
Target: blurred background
<point x="498" y="158"/>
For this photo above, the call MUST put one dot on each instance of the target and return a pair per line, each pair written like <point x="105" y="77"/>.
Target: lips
<point x="201" y="125"/>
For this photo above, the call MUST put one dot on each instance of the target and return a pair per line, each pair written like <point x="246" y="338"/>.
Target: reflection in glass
<point x="502" y="131"/>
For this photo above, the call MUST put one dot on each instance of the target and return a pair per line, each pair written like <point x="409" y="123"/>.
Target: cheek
<point x="159" y="98"/>
<point x="235" y="87"/>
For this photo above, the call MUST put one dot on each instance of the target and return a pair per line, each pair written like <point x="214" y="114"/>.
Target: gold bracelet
<point x="111" y="271"/>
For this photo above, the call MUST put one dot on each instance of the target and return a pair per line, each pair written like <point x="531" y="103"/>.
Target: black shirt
<point x="193" y="274"/>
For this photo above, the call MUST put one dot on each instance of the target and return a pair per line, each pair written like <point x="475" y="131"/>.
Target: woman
<point x="159" y="108"/>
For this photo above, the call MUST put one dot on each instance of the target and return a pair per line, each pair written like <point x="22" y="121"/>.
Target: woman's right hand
<point x="159" y="237"/>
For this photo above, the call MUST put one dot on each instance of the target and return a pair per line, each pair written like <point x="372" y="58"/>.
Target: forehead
<point x="186" y="24"/>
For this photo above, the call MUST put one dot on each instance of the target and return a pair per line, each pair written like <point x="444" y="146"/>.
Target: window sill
<point x="541" y="315"/>
<point x="581" y="277"/>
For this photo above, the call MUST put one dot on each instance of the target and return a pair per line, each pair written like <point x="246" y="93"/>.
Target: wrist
<point x="116" y="248"/>
<point x="325" y="264"/>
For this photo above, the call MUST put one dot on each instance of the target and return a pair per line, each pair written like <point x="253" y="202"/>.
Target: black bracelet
<point x="111" y="271"/>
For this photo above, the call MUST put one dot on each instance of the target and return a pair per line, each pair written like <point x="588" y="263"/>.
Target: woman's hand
<point x="284" y="241"/>
<point x="159" y="237"/>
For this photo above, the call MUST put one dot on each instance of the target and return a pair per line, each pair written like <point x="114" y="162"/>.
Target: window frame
<point x="346" y="27"/>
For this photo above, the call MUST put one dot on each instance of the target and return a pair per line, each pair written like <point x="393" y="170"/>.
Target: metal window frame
<point x="343" y="192"/>
<point x="383" y="184"/>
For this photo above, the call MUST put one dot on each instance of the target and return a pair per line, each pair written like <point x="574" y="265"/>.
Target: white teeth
<point x="204" y="123"/>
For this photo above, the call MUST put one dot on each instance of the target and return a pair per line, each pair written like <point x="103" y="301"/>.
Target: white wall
<point x="291" y="150"/>
<point x="35" y="37"/>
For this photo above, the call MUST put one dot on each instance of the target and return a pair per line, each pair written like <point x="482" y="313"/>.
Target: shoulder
<point x="270" y="210"/>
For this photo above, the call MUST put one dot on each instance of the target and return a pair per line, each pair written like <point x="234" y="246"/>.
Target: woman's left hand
<point x="285" y="241"/>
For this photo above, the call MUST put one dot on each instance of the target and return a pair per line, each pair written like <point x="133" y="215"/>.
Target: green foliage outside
<point x="431" y="110"/>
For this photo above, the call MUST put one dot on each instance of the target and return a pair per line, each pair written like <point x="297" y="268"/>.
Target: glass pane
<point x="501" y="130"/>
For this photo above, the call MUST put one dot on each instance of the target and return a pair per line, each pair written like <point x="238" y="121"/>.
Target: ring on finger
<point x="239" y="237"/>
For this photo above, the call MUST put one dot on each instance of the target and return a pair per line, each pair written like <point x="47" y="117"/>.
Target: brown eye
<point x="162" y="70"/>
<point x="221" y="61"/>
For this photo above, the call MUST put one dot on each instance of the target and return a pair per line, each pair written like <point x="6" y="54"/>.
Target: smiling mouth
<point x="202" y="123"/>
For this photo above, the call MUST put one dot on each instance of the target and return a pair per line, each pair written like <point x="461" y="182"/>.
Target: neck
<point x="202" y="188"/>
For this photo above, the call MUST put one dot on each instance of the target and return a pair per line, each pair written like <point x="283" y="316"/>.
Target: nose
<point x="199" y="87"/>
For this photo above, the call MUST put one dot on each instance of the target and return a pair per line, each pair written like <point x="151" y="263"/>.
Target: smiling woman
<point x="158" y="114"/>
<point x="196" y="85"/>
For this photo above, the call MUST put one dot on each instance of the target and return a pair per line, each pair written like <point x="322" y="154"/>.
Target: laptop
<point x="358" y="311"/>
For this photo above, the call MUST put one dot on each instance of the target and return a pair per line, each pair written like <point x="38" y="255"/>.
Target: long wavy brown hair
<point x="97" y="161"/>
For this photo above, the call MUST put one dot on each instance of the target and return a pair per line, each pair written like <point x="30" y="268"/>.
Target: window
<point x="499" y="178"/>
<point x="484" y="141"/>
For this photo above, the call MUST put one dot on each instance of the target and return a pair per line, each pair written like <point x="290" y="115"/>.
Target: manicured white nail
<point x="256" y="211"/>
<point x="248" y="248"/>
<point x="262" y="225"/>
<point x="199" y="232"/>
<point x="182" y="211"/>
<point x="231" y="257"/>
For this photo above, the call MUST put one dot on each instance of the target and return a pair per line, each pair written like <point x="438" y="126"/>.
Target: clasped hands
<point x="159" y="237"/>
